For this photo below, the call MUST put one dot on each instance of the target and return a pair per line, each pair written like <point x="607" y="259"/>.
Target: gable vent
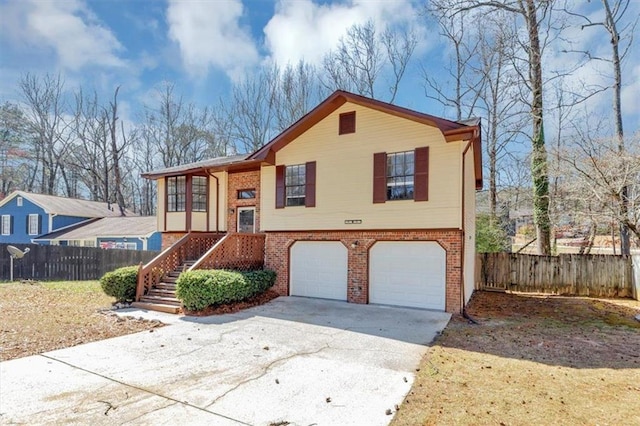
<point x="347" y="123"/>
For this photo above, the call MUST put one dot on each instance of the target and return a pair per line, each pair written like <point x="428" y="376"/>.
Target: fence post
<point x="635" y="279"/>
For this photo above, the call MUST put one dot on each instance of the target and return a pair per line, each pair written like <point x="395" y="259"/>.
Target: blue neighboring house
<point x="122" y="232"/>
<point x="24" y="216"/>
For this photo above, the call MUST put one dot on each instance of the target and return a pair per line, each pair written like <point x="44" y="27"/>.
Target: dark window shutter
<point x="421" y="174"/>
<point x="10" y="224"/>
<point x="347" y="123"/>
<point x="310" y="187"/>
<point x="380" y="177"/>
<point x="26" y="228"/>
<point x="39" y="224"/>
<point x="280" y="190"/>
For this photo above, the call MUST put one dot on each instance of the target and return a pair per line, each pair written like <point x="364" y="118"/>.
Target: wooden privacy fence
<point x="67" y="263"/>
<point x="571" y="274"/>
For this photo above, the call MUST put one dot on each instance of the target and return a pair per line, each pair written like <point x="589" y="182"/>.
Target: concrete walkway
<point x="295" y="360"/>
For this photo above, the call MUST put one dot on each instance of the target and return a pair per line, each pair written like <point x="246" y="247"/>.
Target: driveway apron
<point x="296" y="360"/>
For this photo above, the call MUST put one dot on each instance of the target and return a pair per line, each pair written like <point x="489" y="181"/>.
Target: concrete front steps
<point x="162" y="297"/>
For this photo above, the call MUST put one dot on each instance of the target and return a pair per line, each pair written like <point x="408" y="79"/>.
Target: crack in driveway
<point x="144" y="390"/>
<point x="265" y="370"/>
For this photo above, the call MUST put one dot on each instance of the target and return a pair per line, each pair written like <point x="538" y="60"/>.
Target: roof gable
<point x="451" y="130"/>
<point x="68" y="206"/>
<point x="121" y="226"/>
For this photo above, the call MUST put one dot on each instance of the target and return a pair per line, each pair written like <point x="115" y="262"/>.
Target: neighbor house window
<point x="246" y="194"/>
<point x="401" y="175"/>
<point x="199" y="194"/>
<point x="19" y="201"/>
<point x="176" y="193"/>
<point x="347" y="123"/>
<point x="6" y="224"/>
<point x="33" y="224"/>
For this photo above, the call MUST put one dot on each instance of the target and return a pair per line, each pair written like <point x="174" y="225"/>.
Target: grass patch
<point x="36" y="317"/>
<point x="531" y="360"/>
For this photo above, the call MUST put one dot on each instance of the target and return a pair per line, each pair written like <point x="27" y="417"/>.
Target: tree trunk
<point x="610" y="25"/>
<point x="539" y="167"/>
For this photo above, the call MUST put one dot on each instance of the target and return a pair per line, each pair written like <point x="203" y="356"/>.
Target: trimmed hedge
<point x="201" y="288"/>
<point x="121" y="283"/>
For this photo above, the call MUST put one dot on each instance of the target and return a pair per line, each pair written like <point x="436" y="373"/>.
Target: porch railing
<point x="190" y="247"/>
<point x="234" y="251"/>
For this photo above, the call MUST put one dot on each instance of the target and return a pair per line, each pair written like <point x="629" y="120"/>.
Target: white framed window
<point x="19" y="201"/>
<point x="6" y="224"/>
<point x="295" y="185"/>
<point x="34" y="222"/>
<point x="400" y="173"/>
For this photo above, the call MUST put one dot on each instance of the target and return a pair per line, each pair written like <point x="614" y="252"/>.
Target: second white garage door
<point x="409" y="274"/>
<point x="318" y="269"/>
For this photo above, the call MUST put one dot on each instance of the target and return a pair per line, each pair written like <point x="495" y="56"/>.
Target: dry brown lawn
<point x="38" y="317"/>
<point x="531" y="359"/>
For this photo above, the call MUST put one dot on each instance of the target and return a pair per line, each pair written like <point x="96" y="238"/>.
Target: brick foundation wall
<point x="169" y="238"/>
<point x="278" y="245"/>
<point x="239" y="181"/>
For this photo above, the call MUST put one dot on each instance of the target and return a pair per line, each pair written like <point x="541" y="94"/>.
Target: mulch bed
<point x="230" y="308"/>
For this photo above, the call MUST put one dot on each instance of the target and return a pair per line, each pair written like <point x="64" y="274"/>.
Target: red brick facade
<point x="169" y="238"/>
<point x="239" y="181"/>
<point x="278" y="245"/>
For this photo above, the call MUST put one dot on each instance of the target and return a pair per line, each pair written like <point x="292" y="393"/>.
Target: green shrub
<point x="490" y="236"/>
<point x="121" y="283"/>
<point x="201" y="288"/>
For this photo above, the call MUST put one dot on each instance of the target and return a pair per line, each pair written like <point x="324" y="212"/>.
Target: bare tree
<point x="362" y="56"/>
<point x="45" y="110"/>
<point x="117" y="150"/>
<point x="252" y="109"/>
<point x="14" y="158"/>
<point x="595" y="174"/>
<point x="535" y="16"/>
<point x="614" y="13"/>
<point x="495" y="95"/>
<point x="89" y="157"/>
<point x="181" y="132"/>
<point x="465" y="50"/>
<point x="295" y="94"/>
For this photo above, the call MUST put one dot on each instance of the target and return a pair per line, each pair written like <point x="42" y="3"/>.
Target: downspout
<point x="464" y="236"/>
<point x="217" y="210"/>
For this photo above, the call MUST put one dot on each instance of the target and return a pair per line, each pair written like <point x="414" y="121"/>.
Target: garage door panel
<point x="409" y="274"/>
<point x="319" y="269"/>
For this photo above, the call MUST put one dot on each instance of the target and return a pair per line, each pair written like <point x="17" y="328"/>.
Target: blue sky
<point x="203" y="45"/>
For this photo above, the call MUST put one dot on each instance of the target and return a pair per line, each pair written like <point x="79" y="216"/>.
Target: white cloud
<point x="302" y="29"/>
<point x="69" y="28"/>
<point x="209" y="34"/>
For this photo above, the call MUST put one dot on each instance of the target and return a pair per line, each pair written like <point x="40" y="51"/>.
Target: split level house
<point x="27" y="218"/>
<point x="359" y="200"/>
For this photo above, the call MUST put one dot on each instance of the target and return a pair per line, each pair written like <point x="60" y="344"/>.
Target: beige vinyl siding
<point x="221" y="214"/>
<point x="176" y="221"/>
<point x="344" y="176"/>
<point x="198" y="221"/>
<point x="469" y="225"/>
<point x="161" y="204"/>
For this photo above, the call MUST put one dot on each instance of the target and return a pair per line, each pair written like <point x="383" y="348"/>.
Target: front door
<point x="246" y="219"/>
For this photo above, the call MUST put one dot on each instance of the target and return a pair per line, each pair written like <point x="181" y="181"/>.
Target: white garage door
<point x="408" y="274"/>
<point x="319" y="269"/>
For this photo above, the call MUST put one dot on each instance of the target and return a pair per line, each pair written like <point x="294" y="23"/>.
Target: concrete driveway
<point x="295" y="360"/>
